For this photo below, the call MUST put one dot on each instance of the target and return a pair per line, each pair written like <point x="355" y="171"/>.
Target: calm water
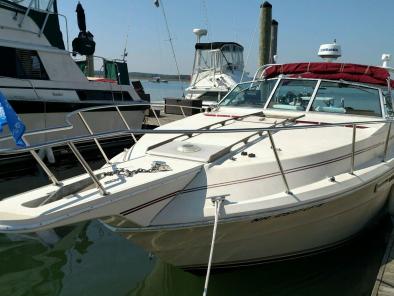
<point x="89" y="260"/>
<point x="158" y="91"/>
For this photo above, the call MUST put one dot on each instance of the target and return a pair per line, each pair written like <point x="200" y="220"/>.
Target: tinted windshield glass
<point x="335" y="97"/>
<point x="293" y="94"/>
<point x="250" y="94"/>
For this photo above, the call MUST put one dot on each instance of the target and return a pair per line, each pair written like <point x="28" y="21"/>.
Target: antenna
<point x="125" y="53"/>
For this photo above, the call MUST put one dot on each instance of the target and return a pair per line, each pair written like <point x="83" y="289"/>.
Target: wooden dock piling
<point x="384" y="284"/>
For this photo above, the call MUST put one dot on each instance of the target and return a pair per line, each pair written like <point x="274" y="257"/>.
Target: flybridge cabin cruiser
<point x="296" y="161"/>
<point x="218" y="67"/>
<point x="41" y="80"/>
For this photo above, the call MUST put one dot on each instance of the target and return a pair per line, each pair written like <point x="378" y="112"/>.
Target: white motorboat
<point x="217" y="68"/>
<point x="299" y="160"/>
<point x="42" y="81"/>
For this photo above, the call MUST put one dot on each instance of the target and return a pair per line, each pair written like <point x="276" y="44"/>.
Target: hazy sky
<point x="364" y="28"/>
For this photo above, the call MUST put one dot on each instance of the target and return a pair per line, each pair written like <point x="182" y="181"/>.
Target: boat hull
<point x="275" y="237"/>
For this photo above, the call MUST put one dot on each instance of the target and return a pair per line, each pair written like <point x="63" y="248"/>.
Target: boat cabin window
<point x="249" y="94"/>
<point x="343" y="98"/>
<point x="21" y="63"/>
<point x="293" y="94"/>
<point x="103" y="95"/>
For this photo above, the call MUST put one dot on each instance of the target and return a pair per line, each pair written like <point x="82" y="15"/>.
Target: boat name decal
<point x="286" y="213"/>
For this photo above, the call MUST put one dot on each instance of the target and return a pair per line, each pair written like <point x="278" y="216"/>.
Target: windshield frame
<point x="313" y="96"/>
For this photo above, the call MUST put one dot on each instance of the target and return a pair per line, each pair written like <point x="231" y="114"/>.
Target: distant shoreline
<point x="149" y="76"/>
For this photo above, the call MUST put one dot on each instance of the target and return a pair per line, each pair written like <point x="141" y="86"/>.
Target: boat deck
<point x="384" y="284"/>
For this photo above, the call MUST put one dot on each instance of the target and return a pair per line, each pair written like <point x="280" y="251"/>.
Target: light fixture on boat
<point x="330" y="52"/>
<point x="188" y="148"/>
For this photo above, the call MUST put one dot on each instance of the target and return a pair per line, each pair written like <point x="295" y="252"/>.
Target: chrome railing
<point x="276" y="127"/>
<point x="93" y="136"/>
<point x="259" y="72"/>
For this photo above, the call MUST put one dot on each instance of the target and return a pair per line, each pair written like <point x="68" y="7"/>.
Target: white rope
<point x="218" y="202"/>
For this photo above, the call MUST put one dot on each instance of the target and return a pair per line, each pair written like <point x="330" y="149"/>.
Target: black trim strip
<point x="36" y="107"/>
<point x="28" y="87"/>
<point x="51" y="88"/>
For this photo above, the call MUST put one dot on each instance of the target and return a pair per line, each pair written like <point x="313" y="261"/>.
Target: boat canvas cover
<point x="216" y="45"/>
<point x="332" y="71"/>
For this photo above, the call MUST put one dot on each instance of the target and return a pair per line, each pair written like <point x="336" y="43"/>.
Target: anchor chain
<point x="157" y="166"/>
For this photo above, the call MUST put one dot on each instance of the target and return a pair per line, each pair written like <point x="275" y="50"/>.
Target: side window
<point x="335" y="97"/>
<point x="31" y="65"/>
<point x="21" y="63"/>
<point x="293" y="94"/>
<point x="388" y="106"/>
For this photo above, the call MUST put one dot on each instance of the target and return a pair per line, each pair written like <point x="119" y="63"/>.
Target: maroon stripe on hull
<point x="256" y="178"/>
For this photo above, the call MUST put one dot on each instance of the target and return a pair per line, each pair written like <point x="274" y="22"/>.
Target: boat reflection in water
<point x="90" y="260"/>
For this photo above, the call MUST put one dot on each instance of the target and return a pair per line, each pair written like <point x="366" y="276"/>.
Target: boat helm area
<point x="311" y="95"/>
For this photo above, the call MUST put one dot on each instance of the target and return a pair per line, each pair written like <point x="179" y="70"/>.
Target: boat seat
<point x="330" y="109"/>
<point x="288" y="107"/>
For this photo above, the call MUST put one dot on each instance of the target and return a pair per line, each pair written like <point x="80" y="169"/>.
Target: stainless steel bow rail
<point x="209" y="129"/>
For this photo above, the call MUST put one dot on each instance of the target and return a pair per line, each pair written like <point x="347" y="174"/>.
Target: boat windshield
<point x="293" y="94"/>
<point x="249" y="94"/>
<point x="331" y="97"/>
<point x="338" y="97"/>
<point x="36" y="4"/>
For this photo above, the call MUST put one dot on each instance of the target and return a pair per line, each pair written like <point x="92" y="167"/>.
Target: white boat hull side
<point x="250" y="241"/>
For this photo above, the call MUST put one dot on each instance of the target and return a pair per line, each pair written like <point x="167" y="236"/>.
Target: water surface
<point x="88" y="259"/>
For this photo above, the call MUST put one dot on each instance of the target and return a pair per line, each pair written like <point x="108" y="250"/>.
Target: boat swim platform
<point x="384" y="284"/>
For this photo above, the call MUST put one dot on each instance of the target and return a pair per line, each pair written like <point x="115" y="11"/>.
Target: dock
<point x="384" y="284"/>
<point x="159" y="117"/>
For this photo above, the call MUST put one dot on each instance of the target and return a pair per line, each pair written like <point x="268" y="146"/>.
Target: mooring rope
<point x="217" y="202"/>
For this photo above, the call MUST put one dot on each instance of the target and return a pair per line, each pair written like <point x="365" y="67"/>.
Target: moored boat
<point x="42" y="81"/>
<point x="298" y="160"/>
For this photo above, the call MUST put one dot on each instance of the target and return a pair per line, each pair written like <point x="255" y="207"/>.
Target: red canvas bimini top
<point x="332" y="71"/>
